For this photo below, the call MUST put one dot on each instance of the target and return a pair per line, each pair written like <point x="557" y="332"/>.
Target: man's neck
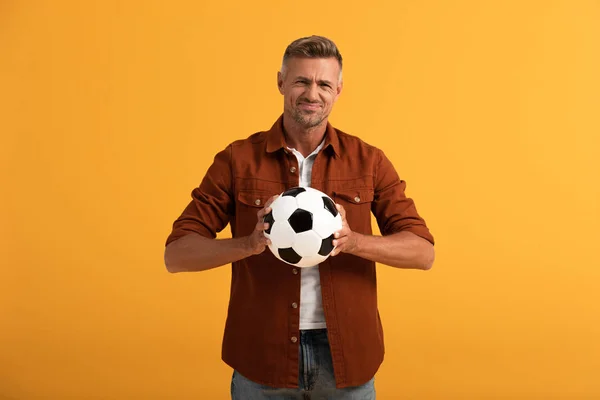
<point x="303" y="140"/>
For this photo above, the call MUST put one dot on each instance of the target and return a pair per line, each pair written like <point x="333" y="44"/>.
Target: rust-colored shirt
<point x="262" y="328"/>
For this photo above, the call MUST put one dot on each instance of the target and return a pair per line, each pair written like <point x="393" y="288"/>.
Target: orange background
<point x="111" y="112"/>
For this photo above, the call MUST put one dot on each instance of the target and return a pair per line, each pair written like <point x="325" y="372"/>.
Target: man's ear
<point x="280" y="82"/>
<point x="339" y="89"/>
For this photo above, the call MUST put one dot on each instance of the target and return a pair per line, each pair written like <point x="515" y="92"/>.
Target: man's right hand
<point x="257" y="242"/>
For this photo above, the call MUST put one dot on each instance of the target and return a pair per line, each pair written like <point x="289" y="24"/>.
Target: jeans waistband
<point x="313" y="333"/>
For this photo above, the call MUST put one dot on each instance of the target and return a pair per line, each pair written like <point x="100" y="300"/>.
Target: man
<point x="295" y="331"/>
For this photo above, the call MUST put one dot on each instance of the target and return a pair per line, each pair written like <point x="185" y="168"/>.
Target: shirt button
<point x="257" y="202"/>
<point x="294" y="305"/>
<point x="294" y="339"/>
<point x="357" y="199"/>
<point x="293" y="169"/>
<point x="295" y="271"/>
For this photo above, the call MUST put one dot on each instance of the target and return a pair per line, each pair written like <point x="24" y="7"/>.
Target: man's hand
<point x="345" y="239"/>
<point x="400" y="250"/>
<point x="256" y="242"/>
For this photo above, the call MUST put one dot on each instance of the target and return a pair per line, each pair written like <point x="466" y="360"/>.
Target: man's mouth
<point x="310" y="106"/>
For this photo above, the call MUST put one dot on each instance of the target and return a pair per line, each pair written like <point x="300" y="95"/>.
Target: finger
<point x="337" y="251"/>
<point x="271" y="200"/>
<point x="262" y="212"/>
<point x="342" y="232"/>
<point x="339" y="242"/>
<point x="341" y="210"/>
<point x="261" y="226"/>
<point x="264" y="241"/>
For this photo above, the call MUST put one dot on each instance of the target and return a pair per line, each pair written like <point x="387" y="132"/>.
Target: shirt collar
<point x="315" y="151"/>
<point x="276" y="139"/>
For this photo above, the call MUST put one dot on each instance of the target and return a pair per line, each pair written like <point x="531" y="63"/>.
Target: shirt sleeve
<point x="393" y="210"/>
<point x="212" y="205"/>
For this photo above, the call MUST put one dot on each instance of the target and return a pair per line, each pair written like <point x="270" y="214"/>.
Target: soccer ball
<point x="302" y="222"/>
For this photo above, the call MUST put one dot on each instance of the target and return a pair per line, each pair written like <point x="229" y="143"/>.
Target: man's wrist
<point x="358" y="243"/>
<point x="244" y="246"/>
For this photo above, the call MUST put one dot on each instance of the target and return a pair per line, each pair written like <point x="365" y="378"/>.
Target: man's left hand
<point x="345" y="239"/>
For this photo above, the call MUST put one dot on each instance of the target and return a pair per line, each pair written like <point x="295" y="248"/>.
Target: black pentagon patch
<point x="326" y="246"/>
<point x="330" y="206"/>
<point x="289" y="255"/>
<point x="295" y="191"/>
<point x="301" y="220"/>
<point x="269" y="219"/>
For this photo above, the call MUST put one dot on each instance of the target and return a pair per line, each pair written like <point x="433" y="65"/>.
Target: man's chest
<point x="348" y="182"/>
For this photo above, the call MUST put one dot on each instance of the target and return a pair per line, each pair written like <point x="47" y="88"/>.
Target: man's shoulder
<point x="350" y="138"/>
<point x="351" y="143"/>
<point x="245" y="146"/>
<point x="252" y="140"/>
<point x="255" y="138"/>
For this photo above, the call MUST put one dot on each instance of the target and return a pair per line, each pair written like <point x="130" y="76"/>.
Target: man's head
<point x="310" y="80"/>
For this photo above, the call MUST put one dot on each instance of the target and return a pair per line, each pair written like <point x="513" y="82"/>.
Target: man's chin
<point x="309" y="121"/>
<point x="312" y="123"/>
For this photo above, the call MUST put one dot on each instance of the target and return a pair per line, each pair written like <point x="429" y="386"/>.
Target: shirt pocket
<point x="253" y="198"/>
<point x="357" y="203"/>
<point x="248" y="204"/>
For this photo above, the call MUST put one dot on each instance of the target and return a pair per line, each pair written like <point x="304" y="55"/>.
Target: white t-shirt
<point x="311" y="303"/>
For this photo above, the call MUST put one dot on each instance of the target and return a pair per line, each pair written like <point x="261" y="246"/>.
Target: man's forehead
<point x="310" y="66"/>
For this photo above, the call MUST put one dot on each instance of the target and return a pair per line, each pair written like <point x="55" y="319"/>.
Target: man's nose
<point x="312" y="93"/>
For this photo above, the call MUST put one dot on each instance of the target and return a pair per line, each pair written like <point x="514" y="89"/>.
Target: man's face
<point x="310" y="87"/>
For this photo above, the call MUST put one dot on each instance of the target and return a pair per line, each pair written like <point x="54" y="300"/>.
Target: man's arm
<point x="406" y="241"/>
<point x="194" y="252"/>
<point x="400" y="250"/>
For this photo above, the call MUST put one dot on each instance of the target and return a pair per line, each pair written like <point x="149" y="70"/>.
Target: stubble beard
<point x="308" y="120"/>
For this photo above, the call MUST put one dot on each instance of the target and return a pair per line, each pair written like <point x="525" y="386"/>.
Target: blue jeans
<point x="316" y="380"/>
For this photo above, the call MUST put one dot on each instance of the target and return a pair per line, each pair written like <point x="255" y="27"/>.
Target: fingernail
<point x="336" y="234"/>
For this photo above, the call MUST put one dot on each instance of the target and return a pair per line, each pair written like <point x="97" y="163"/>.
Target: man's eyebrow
<point x="320" y="81"/>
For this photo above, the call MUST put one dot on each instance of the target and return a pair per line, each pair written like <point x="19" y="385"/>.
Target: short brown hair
<point x="313" y="47"/>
